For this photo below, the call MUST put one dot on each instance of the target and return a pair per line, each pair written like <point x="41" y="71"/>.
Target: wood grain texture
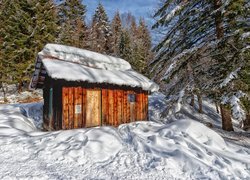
<point x="105" y="107"/>
<point x="65" y="104"/>
<point x="146" y="106"/>
<point x="93" y="108"/>
<point x="77" y="107"/>
<point x="125" y="107"/>
<point x="84" y="101"/>
<point x="71" y="108"/>
<point x="111" y="107"/>
<point x="119" y="107"/>
<point x="86" y="105"/>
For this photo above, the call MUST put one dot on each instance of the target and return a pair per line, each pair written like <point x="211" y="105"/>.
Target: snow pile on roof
<point x="74" y="72"/>
<point x="84" y="57"/>
<point x="74" y="64"/>
<point x="184" y="149"/>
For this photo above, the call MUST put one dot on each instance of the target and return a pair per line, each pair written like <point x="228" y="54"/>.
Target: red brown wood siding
<point x="88" y="107"/>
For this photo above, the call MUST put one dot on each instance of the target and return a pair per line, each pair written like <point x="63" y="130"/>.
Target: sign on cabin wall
<point x="93" y="108"/>
<point x="78" y="109"/>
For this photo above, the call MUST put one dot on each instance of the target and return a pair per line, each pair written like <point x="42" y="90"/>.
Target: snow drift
<point x="184" y="149"/>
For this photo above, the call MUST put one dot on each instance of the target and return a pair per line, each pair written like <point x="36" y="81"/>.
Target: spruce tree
<point x="143" y="39"/>
<point x="100" y="32"/>
<point x="73" y="30"/>
<point x="26" y="27"/>
<point x="202" y="46"/>
<point x="116" y="27"/>
<point x="125" y="46"/>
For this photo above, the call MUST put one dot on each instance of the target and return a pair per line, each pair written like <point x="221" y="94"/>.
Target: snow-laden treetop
<point x="74" y="64"/>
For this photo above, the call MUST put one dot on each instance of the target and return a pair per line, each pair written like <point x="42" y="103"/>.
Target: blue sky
<point x="139" y="8"/>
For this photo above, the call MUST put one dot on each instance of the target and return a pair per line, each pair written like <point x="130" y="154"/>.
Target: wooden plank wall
<point x="115" y="107"/>
<point x="65" y="97"/>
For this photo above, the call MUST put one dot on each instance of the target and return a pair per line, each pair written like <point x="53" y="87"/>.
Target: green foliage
<point x="100" y="32"/>
<point x="207" y="35"/>
<point x="73" y="30"/>
<point x="246" y="103"/>
<point x="116" y="27"/>
<point x="125" y="46"/>
<point x="26" y="26"/>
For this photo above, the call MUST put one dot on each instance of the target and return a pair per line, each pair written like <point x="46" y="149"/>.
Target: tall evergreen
<point x="202" y="46"/>
<point x="73" y="29"/>
<point x="100" y="32"/>
<point x="143" y="41"/>
<point x="116" y="27"/>
<point x="125" y="51"/>
<point x="26" y="26"/>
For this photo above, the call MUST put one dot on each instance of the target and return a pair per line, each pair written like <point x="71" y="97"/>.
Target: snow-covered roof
<point x="84" y="57"/>
<point x="74" y="64"/>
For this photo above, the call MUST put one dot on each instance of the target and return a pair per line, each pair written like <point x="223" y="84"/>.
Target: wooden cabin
<point x="86" y="89"/>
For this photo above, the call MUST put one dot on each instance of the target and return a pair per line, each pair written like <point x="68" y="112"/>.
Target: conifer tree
<point x="144" y="44"/>
<point x="45" y="25"/>
<point x="100" y="32"/>
<point x="116" y="27"/>
<point x="26" y="27"/>
<point x="125" y="47"/>
<point x="202" y="46"/>
<point x="73" y="31"/>
<point x="136" y="41"/>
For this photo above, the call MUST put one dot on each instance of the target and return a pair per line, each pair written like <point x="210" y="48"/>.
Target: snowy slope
<point x="183" y="149"/>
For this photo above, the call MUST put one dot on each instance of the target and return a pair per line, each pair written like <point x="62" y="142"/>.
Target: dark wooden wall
<point x="78" y="105"/>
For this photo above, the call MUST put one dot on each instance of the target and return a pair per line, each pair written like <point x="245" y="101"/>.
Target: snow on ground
<point x="14" y="97"/>
<point x="182" y="149"/>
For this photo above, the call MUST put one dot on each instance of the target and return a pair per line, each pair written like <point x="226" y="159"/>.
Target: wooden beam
<point x="65" y="104"/>
<point x="71" y="108"/>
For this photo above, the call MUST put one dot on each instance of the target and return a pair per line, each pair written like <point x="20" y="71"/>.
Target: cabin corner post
<point x="147" y="103"/>
<point x="50" y="108"/>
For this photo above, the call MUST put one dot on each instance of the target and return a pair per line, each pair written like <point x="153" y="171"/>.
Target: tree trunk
<point x="4" y="92"/>
<point x="226" y="118"/>
<point x="246" y="123"/>
<point x="217" y="107"/>
<point x="192" y="100"/>
<point x="200" y="103"/>
<point x="20" y="86"/>
<point x="218" y="19"/>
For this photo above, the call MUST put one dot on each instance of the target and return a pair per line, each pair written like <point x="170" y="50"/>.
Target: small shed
<point x="82" y="88"/>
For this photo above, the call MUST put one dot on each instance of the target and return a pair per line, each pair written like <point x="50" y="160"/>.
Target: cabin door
<point x="93" y="107"/>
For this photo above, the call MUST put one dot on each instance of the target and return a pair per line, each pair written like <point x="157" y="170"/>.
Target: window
<point x="131" y="98"/>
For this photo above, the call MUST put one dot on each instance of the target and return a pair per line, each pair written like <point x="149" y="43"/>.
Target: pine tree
<point x="100" y="32"/>
<point x="45" y="25"/>
<point x="116" y="27"/>
<point x="144" y="44"/>
<point x="26" y="27"/>
<point x="73" y="31"/>
<point x="133" y="25"/>
<point x="125" y="46"/>
<point x="201" y="36"/>
<point x="16" y="33"/>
